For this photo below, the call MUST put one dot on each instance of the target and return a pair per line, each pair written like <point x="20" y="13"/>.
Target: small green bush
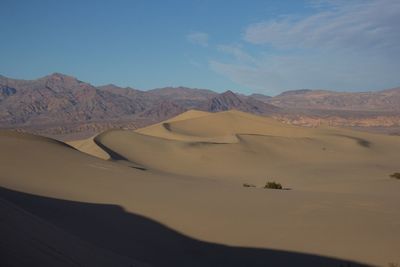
<point x="395" y="175"/>
<point x="248" y="185"/>
<point x="273" y="185"/>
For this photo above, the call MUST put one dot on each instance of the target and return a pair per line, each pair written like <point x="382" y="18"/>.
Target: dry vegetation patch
<point x="395" y="175"/>
<point x="273" y="185"/>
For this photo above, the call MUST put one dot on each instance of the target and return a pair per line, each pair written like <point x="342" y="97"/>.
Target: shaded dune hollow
<point x="173" y="194"/>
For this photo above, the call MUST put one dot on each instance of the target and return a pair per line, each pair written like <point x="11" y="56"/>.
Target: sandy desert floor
<point x="172" y="194"/>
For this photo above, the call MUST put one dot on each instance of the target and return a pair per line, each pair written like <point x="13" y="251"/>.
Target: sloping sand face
<point x="238" y="147"/>
<point x="88" y="146"/>
<point x="342" y="202"/>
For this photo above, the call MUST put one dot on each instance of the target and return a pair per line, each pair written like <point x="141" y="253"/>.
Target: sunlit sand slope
<point x="90" y="147"/>
<point x="342" y="202"/>
<point x="239" y="147"/>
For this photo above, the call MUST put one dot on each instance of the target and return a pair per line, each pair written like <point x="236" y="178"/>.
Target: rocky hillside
<point x="58" y="104"/>
<point x="62" y="104"/>
<point x="58" y="99"/>
<point x="230" y="100"/>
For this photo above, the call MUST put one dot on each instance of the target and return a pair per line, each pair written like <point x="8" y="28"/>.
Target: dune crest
<point x="342" y="202"/>
<point x="234" y="145"/>
<point x="88" y="146"/>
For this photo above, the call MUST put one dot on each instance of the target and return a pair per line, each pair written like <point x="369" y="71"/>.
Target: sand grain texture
<point x="186" y="175"/>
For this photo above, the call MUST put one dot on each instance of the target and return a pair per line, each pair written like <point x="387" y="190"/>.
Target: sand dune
<point x="187" y="175"/>
<point x="88" y="146"/>
<point x="240" y="147"/>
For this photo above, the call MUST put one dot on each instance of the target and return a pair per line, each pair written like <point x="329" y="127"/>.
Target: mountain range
<point x="385" y="100"/>
<point x="62" y="105"/>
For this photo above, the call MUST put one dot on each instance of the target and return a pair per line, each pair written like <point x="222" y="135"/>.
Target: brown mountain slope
<point x="182" y="93"/>
<point x="60" y="98"/>
<point x="62" y="106"/>
<point x="229" y="100"/>
<point x="370" y="111"/>
<point x="385" y="100"/>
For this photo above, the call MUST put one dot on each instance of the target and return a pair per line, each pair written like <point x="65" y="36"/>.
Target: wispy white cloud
<point x="245" y="75"/>
<point x="274" y="74"/>
<point x="342" y="45"/>
<point x="198" y="38"/>
<point x="366" y="24"/>
<point x="237" y="52"/>
<point x="195" y="63"/>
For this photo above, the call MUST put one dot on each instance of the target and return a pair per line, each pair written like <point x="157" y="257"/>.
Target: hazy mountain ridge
<point x="58" y="100"/>
<point x="61" y="104"/>
<point x="384" y="100"/>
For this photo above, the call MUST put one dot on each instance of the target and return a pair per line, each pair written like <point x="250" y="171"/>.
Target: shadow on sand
<point x="133" y="236"/>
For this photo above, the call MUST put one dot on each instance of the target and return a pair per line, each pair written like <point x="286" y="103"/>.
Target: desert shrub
<point x="395" y="175"/>
<point x="248" y="185"/>
<point x="273" y="185"/>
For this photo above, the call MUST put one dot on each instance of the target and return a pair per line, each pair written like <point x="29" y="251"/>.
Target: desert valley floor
<point x="173" y="194"/>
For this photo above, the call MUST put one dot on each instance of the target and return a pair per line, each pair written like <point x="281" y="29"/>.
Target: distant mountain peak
<point x="229" y="96"/>
<point x="228" y="93"/>
<point x="109" y="86"/>
<point x="60" y="75"/>
<point x="295" y="92"/>
<point x="225" y="101"/>
<point x="57" y="77"/>
<point x="255" y="95"/>
<point x="229" y="100"/>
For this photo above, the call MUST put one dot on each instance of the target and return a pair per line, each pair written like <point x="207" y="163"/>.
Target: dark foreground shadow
<point x="111" y="229"/>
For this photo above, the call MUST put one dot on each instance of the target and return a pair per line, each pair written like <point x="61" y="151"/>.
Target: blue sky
<point x="246" y="46"/>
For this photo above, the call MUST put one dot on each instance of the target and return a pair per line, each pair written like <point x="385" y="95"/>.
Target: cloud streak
<point x="198" y="38"/>
<point x="237" y="52"/>
<point x="367" y="24"/>
<point x="345" y="46"/>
